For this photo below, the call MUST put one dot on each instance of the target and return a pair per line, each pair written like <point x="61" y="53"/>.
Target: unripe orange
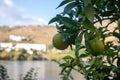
<point x="97" y="46"/>
<point x="59" y="41"/>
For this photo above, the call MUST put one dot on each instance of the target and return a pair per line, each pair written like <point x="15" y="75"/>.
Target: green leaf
<point x="65" y="65"/>
<point x="65" y="78"/>
<point x="63" y="3"/>
<point x="118" y="62"/>
<point x="87" y="2"/>
<point x="111" y="6"/>
<point x="89" y="12"/>
<point x="78" y="43"/>
<point x="83" y="55"/>
<point x="72" y="37"/>
<point x="99" y="19"/>
<point x="95" y="75"/>
<point x="88" y="25"/>
<point x="68" y="22"/>
<point x="63" y="69"/>
<point x="68" y="57"/>
<point x="99" y="64"/>
<point x="69" y="7"/>
<point x="56" y="18"/>
<point x="116" y="34"/>
<point x="86" y="36"/>
<point x="69" y="71"/>
<point x="109" y="59"/>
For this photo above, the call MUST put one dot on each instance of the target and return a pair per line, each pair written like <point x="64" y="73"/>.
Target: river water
<point x="45" y="70"/>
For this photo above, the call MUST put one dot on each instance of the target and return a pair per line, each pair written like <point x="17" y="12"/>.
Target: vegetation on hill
<point x="38" y="34"/>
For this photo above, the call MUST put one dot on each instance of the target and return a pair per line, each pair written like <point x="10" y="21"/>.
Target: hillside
<point x="38" y="34"/>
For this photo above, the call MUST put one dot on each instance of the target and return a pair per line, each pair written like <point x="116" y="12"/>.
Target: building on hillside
<point x="38" y="47"/>
<point x="18" y="38"/>
<point x="26" y="46"/>
<point x="7" y="45"/>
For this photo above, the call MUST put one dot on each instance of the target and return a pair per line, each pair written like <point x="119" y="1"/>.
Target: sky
<point x="28" y="12"/>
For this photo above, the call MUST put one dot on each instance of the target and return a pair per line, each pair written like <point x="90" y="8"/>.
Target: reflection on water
<point x="45" y="70"/>
<point x="18" y="69"/>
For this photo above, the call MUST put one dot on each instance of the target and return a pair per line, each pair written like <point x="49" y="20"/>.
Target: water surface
<point x="45" y="70"/>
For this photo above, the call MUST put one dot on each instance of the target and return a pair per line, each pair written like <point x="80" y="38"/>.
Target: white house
<point x="38" y="47"/>
<point x="17" y="38"/>
<point x="26" y="46"/>
<point x="7" y="45"/>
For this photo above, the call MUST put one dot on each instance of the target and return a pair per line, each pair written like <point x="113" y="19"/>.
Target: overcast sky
<point x="27" y="12"/>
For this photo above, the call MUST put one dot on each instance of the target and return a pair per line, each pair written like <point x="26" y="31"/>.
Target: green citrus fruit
<point x="97" y="46"/>
<point x="59" y="41"/>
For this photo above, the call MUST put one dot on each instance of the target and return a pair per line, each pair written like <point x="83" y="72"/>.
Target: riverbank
<point x="22" y="55"/>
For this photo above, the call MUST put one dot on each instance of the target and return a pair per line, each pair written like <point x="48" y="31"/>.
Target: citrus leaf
<point x="116" y="34"/>
<point x="86" y="2"/>
<point x="83" y="55"/>
<point x="89" y="12"/>
<point x="95" y="75"/>
<point x="88" y="25"/>
<point x="69" y="7"/>
<point x="99" y="19"/>
<point x="78" y="43"/>
<point x="99" y="64"/>
<point x="67" y="57"/>
<point x="86" y="36"/>
<point x="63" y="69"/>
<point x="65" y="65"/>
<point x="56" y="18"/>
<point x="68" y="22"/>
<point x="65" y="78"/>
<point x="63" y="3"/>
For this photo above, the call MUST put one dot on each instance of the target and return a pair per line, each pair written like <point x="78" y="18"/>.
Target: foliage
<point x="30" y="75"/>
<point x="59" y="55"/>
<point x="20" y="54"/>
<point x="77" y="23"/>
<point x="4" y="73"/>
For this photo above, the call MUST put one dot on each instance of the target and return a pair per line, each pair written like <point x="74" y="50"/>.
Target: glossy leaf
<point x="78" y="42"/>
<point x="88" y="25"/>
<point x="68" y="57"/>
<point x="63" y="3"/>
<point x="95" y="75"/>
<point x="55" y="19"/>
<point x="99" y="19"/>
<point x="83" y="55"/>
<point x="69" y="7"/>
<point x="68" y="22"/>
<point x="87" y="2"/>
<point x="86" y="36"/>
<point x="90" y="12"/>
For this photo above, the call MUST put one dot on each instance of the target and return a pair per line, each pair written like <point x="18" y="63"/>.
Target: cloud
<point x="30" y="21"/>
<point x="13" y="15"/>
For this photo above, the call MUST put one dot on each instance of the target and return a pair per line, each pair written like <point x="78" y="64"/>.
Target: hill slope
<point x="38" y="34"/>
